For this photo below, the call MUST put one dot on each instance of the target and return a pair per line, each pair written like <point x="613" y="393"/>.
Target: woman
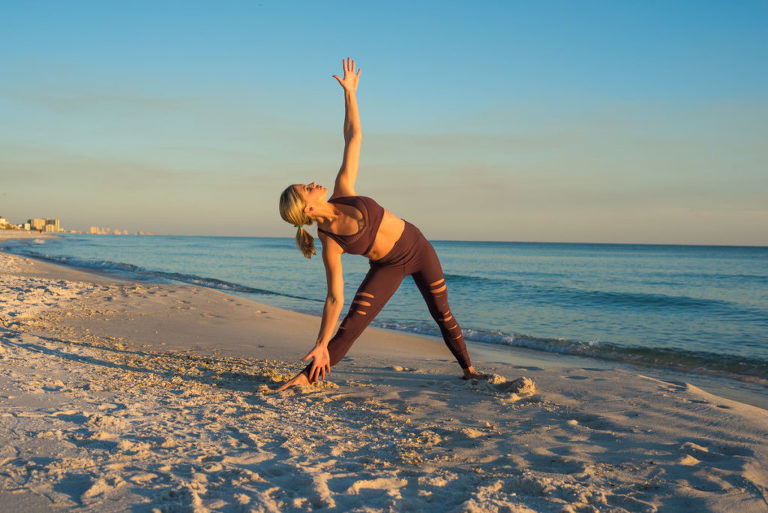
<point x="349" y="223"/>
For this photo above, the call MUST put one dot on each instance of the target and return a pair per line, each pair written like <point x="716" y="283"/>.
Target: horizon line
<point x="691" y="244"/>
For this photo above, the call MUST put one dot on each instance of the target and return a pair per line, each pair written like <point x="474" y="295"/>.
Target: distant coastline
<point x="46" y="225"/>
<point x="23" y="234"/>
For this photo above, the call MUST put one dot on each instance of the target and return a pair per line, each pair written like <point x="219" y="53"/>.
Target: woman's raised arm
<point x="353" y="136"/>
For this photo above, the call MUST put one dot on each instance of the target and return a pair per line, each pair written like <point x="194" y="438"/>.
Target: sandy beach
<point x="125" y="396"/>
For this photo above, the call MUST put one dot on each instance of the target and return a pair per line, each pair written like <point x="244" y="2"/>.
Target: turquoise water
<point x="697" y="308"/>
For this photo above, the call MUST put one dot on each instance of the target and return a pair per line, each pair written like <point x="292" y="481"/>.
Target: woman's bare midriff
<point x="390" y="230"/>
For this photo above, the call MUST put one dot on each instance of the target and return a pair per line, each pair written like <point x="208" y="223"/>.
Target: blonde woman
<point x="350" y="223"/>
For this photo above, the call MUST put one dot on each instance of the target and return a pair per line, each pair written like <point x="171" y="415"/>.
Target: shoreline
<point x="129" y="395"/>
<point x="23" y="234"/>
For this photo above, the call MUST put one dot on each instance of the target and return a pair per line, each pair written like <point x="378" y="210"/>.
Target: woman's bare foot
<point x="471" y="373"/>
<point x="297" y="380"/>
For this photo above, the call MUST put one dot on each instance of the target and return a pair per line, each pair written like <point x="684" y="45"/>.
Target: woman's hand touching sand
<point x="321" y="363"/>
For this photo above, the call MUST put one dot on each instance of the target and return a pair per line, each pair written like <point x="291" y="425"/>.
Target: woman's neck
<point x="326" y="214"/>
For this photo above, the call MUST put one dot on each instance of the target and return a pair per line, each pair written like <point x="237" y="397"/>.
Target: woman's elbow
<point x="354" y="137"/>
<point x="335" y="300"/>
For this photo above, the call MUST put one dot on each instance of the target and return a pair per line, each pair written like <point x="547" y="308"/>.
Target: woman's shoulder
<point x="352" y="200"/>
<point x="344" y="197"/>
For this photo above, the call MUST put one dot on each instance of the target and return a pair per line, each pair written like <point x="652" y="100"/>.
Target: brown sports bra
<point x="361" y="242"/>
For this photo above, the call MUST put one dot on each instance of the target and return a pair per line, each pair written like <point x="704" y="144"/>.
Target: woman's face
<point x="311" y="193"/>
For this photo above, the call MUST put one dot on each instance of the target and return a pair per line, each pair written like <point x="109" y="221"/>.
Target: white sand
<point x="118" y="396"/>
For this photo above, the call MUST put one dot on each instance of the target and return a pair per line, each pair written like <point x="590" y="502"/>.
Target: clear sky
<point x="594" y="121"/>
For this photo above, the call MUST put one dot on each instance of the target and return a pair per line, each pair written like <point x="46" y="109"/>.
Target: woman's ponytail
<point x="305" y="242"/>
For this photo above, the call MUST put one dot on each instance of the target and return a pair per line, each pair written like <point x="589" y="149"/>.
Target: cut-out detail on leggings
<point x="361" y="303"/>
<point x="361" y="312"/>
<point x="365" y="294"/>
<point x="454" y="326"/>
<point x="438" y="282"/>
<point x="447" y="317"/>
<point x="439" y="290"/>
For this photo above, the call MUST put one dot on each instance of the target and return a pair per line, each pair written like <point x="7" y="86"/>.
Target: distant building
<point x="37" y="224"/>
<point x="106" y="230"/>
<point x="45" y="225"/>
<point x="4" y="223"/>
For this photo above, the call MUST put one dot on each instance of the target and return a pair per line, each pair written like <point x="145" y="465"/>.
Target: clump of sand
<point x="509" y="391"/>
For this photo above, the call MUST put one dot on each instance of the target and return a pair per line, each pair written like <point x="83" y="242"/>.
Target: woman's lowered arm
<point x="334" y="302"/>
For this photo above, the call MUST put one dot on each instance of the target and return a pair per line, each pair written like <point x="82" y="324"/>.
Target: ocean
<point x="700" y="309"/>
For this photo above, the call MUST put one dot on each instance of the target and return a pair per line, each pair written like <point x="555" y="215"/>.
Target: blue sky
<point x="537" y="121"/>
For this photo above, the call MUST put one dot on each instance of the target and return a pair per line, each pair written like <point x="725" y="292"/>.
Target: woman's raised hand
<point x="349" y="82"/>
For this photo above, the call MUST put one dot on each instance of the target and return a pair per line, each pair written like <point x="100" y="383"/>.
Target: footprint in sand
<point x="102" y="486"/>
<point x="719" y="452"/>
<point x="143" y="478"/>
<point x="391" y="484"/>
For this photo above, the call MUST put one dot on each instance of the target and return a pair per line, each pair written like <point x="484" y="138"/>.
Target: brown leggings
<point x="414" y="255"/>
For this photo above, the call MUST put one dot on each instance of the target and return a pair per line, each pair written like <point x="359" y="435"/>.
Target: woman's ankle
<point x="471" y="373"/>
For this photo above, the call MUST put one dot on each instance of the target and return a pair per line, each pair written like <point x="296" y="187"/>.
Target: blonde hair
<point x="292" y="211"/>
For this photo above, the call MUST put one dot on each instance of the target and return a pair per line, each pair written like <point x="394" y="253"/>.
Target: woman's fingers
<point x="348" y="64"/>
<point x="314" y="371"/>
<point x="321" y="365"/>
<point x="320" y="371"/>
<point x="322" y="368"/>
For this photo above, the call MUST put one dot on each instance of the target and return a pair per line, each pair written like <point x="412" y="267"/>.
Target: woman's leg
<point x="431" y="282"/>
<point x="378" y="286"/>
